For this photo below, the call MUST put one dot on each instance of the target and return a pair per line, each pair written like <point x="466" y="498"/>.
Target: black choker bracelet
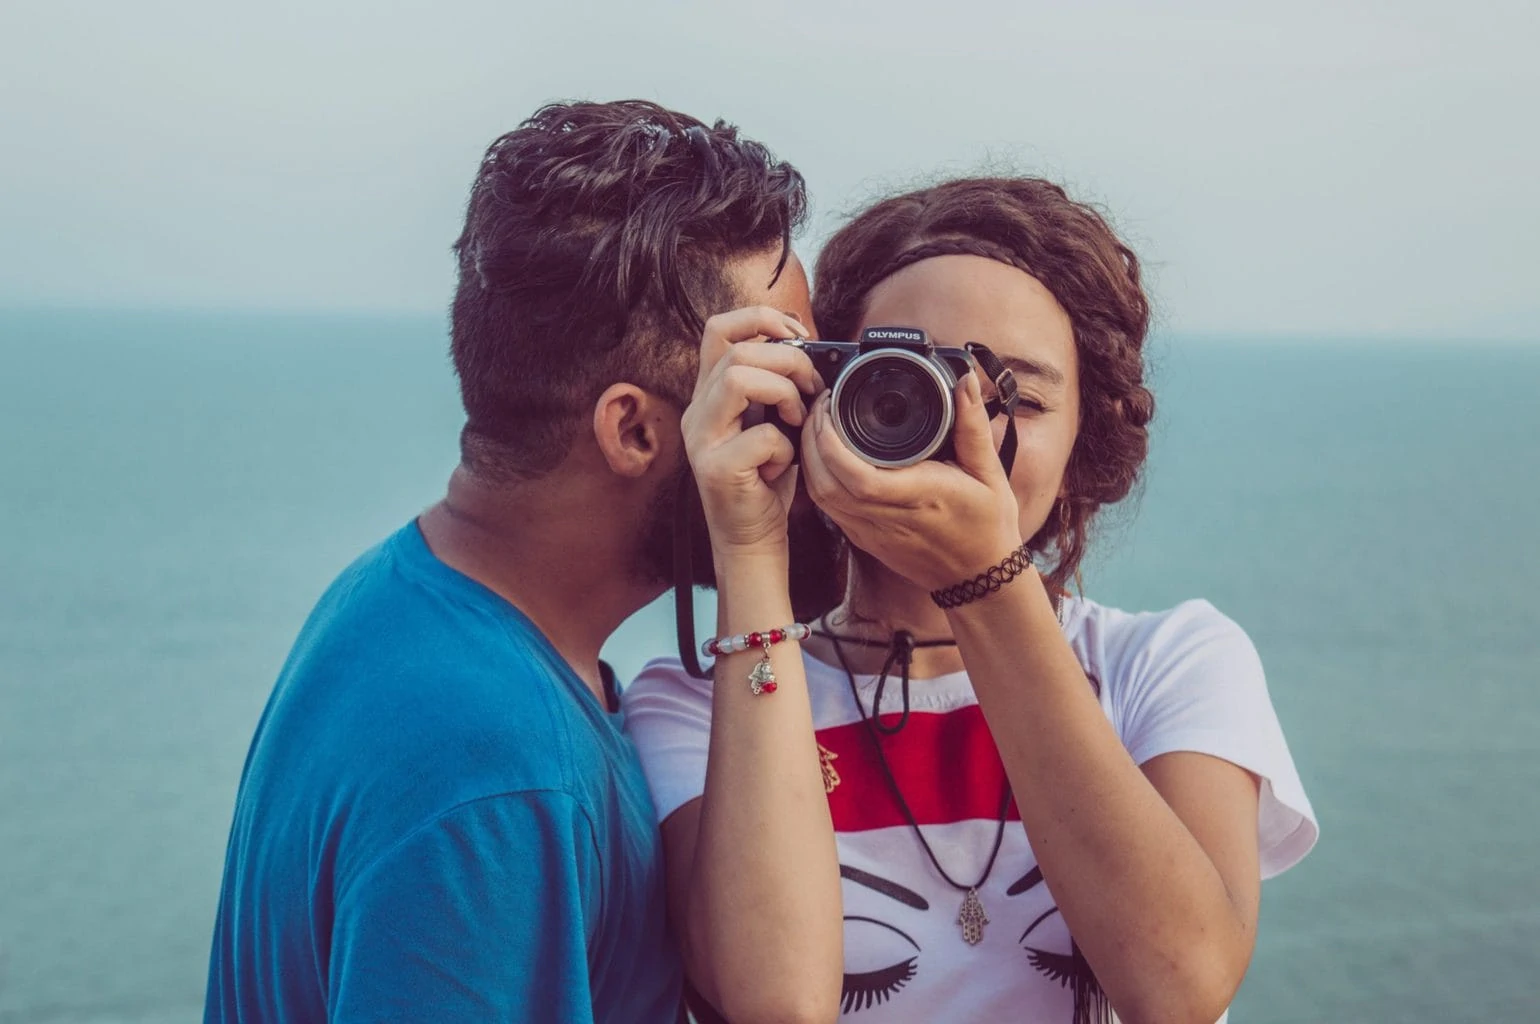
<point x="985" y="583"/>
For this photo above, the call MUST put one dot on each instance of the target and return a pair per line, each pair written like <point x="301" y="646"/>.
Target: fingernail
<point x="975" y="395"/>
<point x="797" y="328"/>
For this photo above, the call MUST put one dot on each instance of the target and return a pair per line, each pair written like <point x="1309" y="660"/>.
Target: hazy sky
<point x="1352" y="169"/>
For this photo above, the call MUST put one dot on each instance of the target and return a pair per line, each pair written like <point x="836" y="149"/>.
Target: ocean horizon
<point x="178" y="487"/>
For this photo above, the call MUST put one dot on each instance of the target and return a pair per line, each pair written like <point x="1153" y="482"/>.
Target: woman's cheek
<point x="1035" y="490"/>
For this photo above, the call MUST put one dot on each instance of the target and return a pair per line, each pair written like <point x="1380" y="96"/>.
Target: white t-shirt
<point x="1187" y="679"/>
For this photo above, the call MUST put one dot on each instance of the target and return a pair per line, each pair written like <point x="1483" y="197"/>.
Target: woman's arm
<point x="753" y="873"/>
<point x="1155" y="871"/>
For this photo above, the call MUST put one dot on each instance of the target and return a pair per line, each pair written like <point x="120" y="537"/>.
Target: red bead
<point x="777" y="635"/>
<point x="768" y="687"/>
<point x="753" y="639"/>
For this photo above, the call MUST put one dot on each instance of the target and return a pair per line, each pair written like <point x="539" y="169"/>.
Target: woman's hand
<point x="934" y="523"/>
<point x="742" y="473"/>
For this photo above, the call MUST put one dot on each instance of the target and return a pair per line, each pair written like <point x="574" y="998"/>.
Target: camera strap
<point x="684" y="576"/>
<point x="1006" y="397"/>
<point x="1004" y="401"/>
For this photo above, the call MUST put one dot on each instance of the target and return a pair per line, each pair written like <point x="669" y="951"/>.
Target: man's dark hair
<point x="596" y="243"/>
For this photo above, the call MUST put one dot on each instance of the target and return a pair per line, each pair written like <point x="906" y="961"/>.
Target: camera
<point x="893" y="390"/>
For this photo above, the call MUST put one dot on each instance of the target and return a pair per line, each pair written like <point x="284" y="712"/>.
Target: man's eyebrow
<point x="1032" y="368"/>
<point x="1025" y="882"/>
<point x="892" y="890"/>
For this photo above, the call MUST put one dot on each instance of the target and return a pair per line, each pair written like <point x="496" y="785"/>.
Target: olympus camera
<point x="892" y="400"/>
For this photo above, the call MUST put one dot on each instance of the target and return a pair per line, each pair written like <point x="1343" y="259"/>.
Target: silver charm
<point x="762" y="676"/>
<point x="972" y="918"/>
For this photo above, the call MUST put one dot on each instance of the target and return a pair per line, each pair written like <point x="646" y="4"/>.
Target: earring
<point x="1064" y="541"/>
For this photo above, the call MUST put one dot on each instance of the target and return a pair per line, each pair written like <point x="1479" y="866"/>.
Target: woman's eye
<point x="872" y="988"/>
<point x="1029" y="406"/>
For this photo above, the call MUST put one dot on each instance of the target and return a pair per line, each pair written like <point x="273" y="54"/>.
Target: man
<point x="439" y="818"/>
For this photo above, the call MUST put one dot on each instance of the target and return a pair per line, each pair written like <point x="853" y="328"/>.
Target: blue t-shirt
<point x="438" y="821"/>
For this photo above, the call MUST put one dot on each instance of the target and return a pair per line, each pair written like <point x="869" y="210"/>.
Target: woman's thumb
<point x="972" y="438"/>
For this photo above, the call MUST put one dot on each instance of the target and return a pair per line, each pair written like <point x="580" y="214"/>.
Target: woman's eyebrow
<point x="1032" y="368"/>
<point x="892" y="890"/>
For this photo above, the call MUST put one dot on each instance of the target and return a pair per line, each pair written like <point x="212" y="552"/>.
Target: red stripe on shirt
<point x="946" y="766"/>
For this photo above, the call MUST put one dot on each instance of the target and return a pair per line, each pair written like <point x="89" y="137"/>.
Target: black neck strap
<point x="684" y="577"/>
<point x="1007" y="395"/>
<point x="901" y="650"/>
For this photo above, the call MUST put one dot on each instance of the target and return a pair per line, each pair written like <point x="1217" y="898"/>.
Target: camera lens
<point x="893" y="407"/>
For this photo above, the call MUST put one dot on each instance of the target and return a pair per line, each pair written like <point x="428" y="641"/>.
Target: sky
<point x="1303" y="169"/>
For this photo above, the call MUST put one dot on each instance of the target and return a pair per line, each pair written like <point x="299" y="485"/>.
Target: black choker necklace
<point x="970" y="916"/>
<point x="901" y="648"/>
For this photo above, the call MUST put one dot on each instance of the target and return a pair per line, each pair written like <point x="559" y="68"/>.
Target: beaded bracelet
<point x="986" y="582"/>
<point x="762" y="676"/>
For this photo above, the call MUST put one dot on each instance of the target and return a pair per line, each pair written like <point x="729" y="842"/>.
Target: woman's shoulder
<point x="1122" y="647"/>
<point x="1194" y="616"/>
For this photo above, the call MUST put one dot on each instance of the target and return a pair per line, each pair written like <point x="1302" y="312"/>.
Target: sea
<point x="177" y="488"/>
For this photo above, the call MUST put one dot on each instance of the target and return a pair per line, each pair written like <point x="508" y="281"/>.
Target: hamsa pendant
<point x="762" y="677"/>
<point x="831" y="775"/>
<point x="972" y="918"/>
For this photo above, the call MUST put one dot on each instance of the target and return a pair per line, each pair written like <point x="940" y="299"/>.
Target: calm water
<point x="175" y="491"/>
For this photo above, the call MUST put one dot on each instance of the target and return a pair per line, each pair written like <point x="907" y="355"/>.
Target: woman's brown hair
<point x="1030" y="224"/>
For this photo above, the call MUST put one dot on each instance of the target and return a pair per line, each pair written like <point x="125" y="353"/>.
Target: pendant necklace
<point x="971" y="917"/>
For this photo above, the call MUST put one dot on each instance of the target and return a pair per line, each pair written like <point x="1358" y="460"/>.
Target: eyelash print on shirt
<point x="1072" y="971"/>
<point x="863" y="989"/>
<point x="872" y="988"/>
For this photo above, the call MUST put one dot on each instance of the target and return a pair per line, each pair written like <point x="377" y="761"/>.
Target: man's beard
<point x="654" y="563"/>
<point x="817" y="571"/>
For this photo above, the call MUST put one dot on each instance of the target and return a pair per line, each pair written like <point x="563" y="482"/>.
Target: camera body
<point x="893" y="394"/>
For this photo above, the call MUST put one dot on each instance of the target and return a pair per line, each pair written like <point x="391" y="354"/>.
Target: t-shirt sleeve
<point x="1192" y="680"/>
<point x="668" y="716"/>
<point x="484" y="914"/>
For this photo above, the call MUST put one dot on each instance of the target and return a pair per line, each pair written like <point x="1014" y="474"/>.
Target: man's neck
<point x="556" y="549"/>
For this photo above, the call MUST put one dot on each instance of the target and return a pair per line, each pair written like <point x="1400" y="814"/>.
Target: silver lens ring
<point x="938" y="375"/>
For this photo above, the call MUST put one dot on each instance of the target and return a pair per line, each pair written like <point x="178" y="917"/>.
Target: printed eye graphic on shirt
<point x="908" y="863"/>
<point x="881" y="958"/>
<point x="1070" y="970"/>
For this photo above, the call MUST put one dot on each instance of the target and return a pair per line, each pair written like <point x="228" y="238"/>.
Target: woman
<point x="970" y="797"/>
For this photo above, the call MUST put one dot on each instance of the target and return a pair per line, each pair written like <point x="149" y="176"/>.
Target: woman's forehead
<point x="957" y="299"/>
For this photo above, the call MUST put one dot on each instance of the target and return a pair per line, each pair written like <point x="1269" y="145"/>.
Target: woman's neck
<point x="878" y="603"/>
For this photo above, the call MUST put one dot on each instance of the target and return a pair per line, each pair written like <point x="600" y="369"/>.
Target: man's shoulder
<point x="408" y="690"/>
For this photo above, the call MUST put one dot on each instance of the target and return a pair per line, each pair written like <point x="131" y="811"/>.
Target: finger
<point x="787" y="360"/>
<point x="724" y="330"/>
<point x="822" y="486"/>
<point x="865" y="483"/>
<point x="826" y="490"/>
<point x="762" y="448"/>
<point x="972" y="438"/>
<point x="730" y="393"/>
<point x="821" y="450"/>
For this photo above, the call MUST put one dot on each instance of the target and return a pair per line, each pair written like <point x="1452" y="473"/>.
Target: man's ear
<point x="633" y="429"/>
